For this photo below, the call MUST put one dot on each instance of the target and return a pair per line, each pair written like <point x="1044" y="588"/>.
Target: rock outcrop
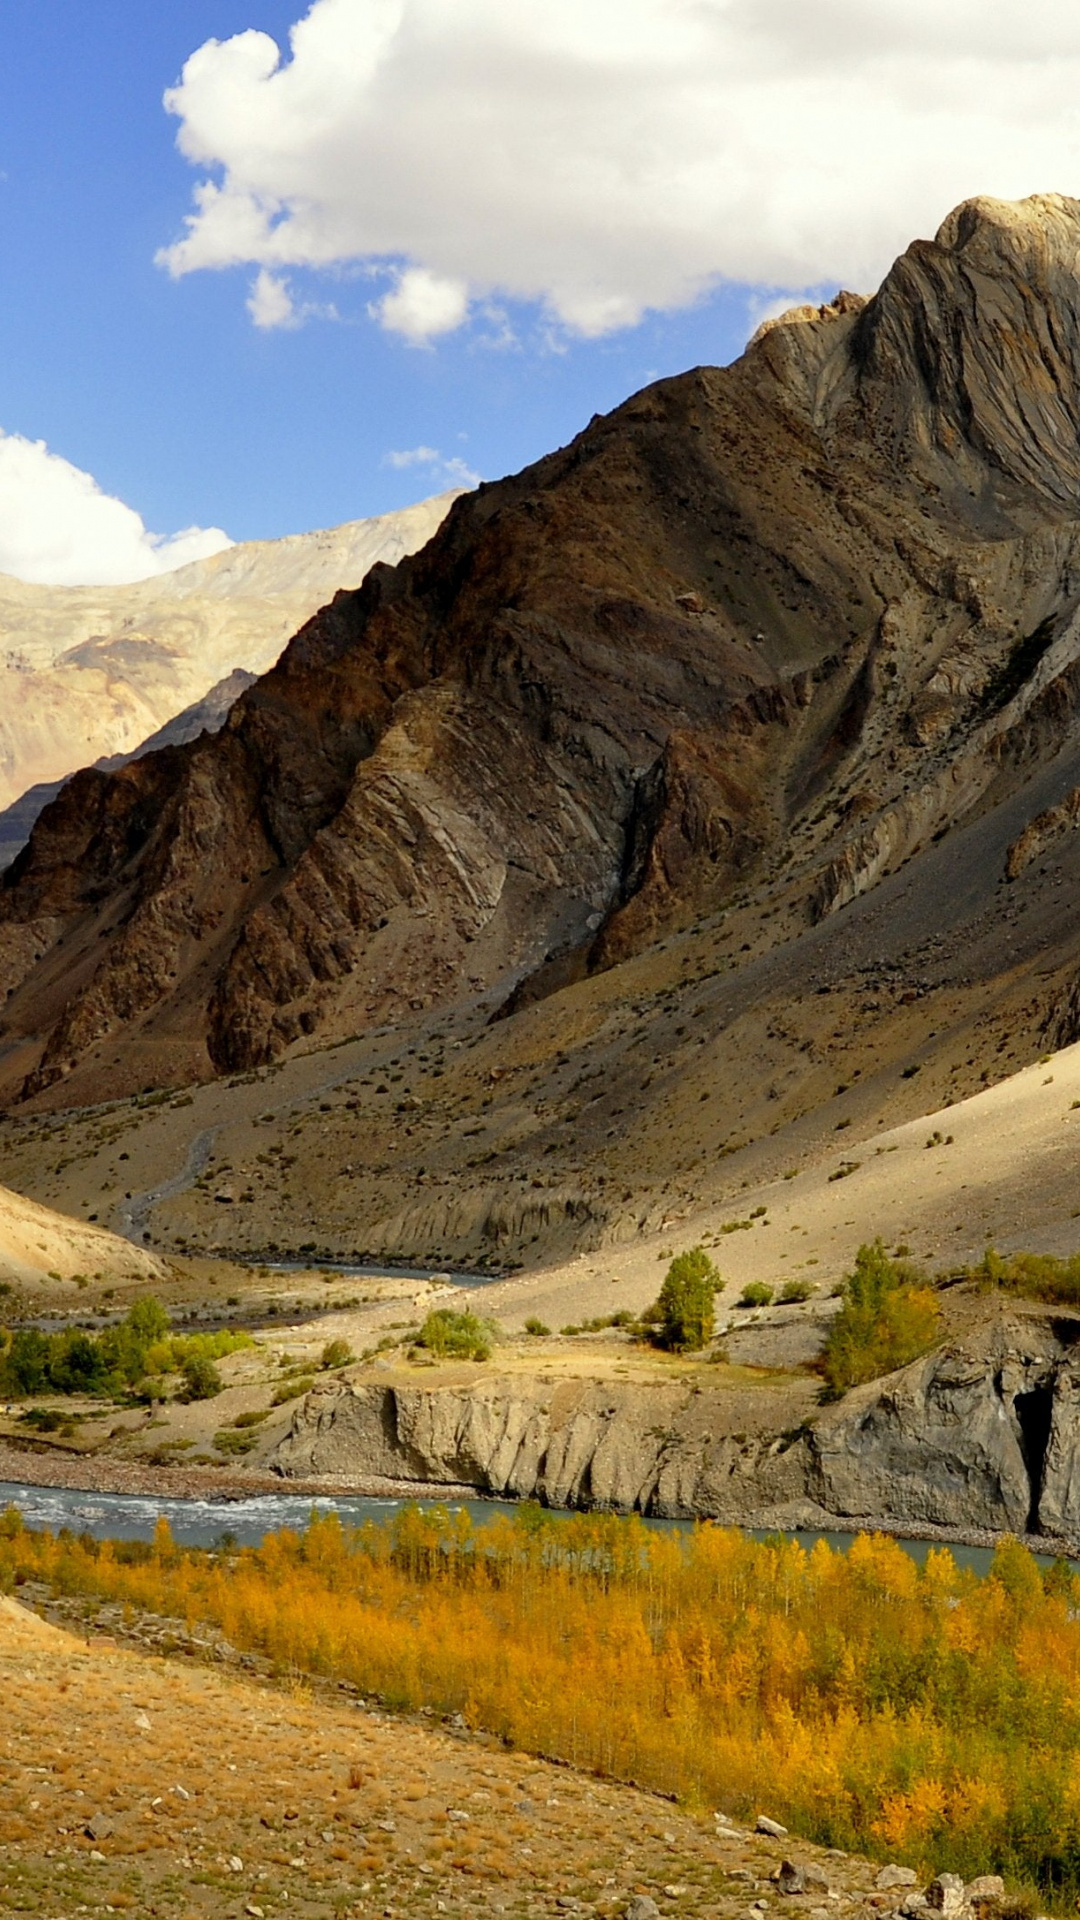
<point x="637" y="683"/>
<point x="653" y="1450"/>
<point x="982" y="1435"/>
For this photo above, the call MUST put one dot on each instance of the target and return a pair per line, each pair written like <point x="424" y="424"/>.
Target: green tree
<point x="201" y="1378"/>
<point x="888" y="1318"/>
<point x="684" y="1314"/>
<point x="148" y="1320"/>
<point x="26" y="1362"/>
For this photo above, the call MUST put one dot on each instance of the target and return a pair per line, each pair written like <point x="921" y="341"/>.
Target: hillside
<point x="308" y="1803"/>
<point x="92" y="671"/>
<point x="44" y="1250"/>
<point x="702" y="792"/>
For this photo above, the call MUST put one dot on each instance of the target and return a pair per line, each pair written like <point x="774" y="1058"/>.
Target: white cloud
<point x="448" y="471"/>
<point x="58" y="528"/>
<point x="412" y="457"/>
<point x="274" y="309"/>
<point x="270" y="302"/>
<point x="422" y="306"/>
<point x="607" y="158"/>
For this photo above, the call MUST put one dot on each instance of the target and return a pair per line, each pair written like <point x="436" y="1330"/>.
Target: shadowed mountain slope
<point x="746" y="646"/>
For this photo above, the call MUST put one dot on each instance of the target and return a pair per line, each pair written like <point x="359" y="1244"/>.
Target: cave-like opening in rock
<point x="1034" y="1414"/>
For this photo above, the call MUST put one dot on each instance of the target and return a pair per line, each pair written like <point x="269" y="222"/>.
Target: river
<point x="247" y="1521"/>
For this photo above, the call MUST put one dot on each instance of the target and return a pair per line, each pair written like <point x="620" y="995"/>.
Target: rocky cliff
<point x="983" y="1434"/>
<point x="755" y="640"/>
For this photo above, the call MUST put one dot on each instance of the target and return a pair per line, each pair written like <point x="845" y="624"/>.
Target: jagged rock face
<point x="984" y="1434"/>
<point x="648" y="1450"/>
<point x="610" y="691"/>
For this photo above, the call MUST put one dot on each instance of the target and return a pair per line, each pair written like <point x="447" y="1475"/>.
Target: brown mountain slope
<point x="89" y="672"/>
<point x="748" y="643"/>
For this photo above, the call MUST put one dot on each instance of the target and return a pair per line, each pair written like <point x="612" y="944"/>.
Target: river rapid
<point x="247" y="1521"/>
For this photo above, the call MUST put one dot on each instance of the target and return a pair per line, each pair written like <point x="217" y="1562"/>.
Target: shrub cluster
<point x="1033" y="1276"/>
<point x="450" y="1335"/>
<point x="889" y="1317"/>
<point x="116" y="1361"/>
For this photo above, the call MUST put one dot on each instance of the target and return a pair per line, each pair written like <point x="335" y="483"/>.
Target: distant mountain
<point x="752" y="643"/>
<point x="92" y="671"/>
<point x="206" y="716"/>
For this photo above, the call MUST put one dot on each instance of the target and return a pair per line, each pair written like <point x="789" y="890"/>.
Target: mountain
<point x="92" y="671"/>
<point x="204" y="716"/>
<point x="754" y="693"/>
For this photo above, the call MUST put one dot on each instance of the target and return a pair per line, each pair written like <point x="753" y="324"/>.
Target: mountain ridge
<point x="751" y="687"/>
<point x="93" y="671"/>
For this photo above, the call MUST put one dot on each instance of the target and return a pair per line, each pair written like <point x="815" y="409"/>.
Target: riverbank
<point x="202" y="1486"/>
<point x="82" y="1474"/>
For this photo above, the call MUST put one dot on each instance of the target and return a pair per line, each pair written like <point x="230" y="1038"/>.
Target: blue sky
<point x="520" y="214"/>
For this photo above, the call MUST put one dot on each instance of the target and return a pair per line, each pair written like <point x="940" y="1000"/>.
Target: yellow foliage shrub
<point x="866" y="1701"/>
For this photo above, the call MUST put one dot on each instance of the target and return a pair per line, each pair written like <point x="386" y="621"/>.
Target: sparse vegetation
<point x="292" y="1390"/>
<point x="794" y="1292"/>
<point x="889" y="1317"/>
<point x="536" y="1327"/>
<point x="1032" y="1276"/>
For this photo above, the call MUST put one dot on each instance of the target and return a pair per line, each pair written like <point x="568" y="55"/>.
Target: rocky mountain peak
<point x="749" y="642"/>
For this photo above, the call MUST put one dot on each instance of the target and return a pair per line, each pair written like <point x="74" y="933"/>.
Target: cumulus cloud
<point x="449" y="471"/>
<point x="421" y="306"/>
<point x="270" y="302"/>
<point x="58" y="528"/>
<point x="606" y="159"/>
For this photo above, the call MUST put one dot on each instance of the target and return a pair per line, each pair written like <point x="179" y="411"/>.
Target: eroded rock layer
<point x="983" y="1434"/>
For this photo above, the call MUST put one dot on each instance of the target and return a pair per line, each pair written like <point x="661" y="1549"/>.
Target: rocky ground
<point x="315" y="1803"/>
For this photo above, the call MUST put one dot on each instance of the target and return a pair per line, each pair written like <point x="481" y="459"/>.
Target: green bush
<point x="48" y="1420"/>
<point x="450" y="1335"/>
<point x="336" y="1353"/>
<point x="536" y="1327"/>
<point x="755" y="1294"/>
<point x="253" y="1418"/>
<point x="683" y="1316"/>
<point x="889" y="1317"/>
<point x="293" y="1390"/>
<point x="230" y="1440"/>
<point x="795" y="1290"/>
<point x="202" y="1381"/>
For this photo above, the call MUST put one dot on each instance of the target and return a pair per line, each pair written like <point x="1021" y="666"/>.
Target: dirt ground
<point x="310" y="1804"/>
